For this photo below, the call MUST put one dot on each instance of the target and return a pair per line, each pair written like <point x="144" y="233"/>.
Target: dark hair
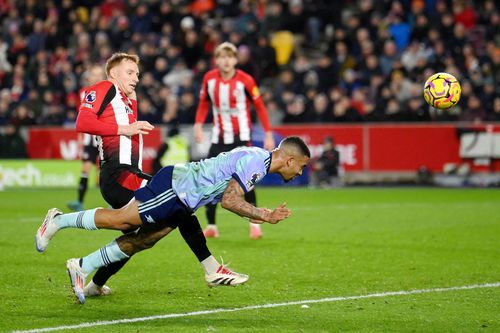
<point x="329" y="139"/>
<point x="297" y="143"/>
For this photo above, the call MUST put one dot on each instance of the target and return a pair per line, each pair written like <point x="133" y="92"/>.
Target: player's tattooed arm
<point x="233" y="200"/>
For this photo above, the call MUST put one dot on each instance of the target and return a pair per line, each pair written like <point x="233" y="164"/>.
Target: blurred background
<point x="347" y="76"/>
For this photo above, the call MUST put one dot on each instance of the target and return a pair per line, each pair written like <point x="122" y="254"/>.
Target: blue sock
<point x="82" y="220"/>
<point x="103" y="257"/>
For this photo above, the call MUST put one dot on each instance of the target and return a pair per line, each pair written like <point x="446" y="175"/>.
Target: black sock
<point x="210" y="212"/>
<point x="82" y="188"/>
<point x="190" y="230"/>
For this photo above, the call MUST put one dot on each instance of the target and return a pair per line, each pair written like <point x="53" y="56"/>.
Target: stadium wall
<point x="363" y="148"/>
<point x="398" y="147"/>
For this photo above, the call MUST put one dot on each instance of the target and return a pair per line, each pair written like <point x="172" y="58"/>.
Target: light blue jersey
<point x="200" y="183"/>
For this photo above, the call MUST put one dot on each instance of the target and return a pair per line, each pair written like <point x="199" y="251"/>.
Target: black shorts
<point x="90" y="153"/>
<point x="118" y="184"/>
<point x="217" y="148"/>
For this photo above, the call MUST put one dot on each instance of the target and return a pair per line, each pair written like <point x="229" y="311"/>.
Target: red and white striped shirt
<point x="87" y="139"/>
<point x="103" y="108"/>
<point x="231" y="106"/>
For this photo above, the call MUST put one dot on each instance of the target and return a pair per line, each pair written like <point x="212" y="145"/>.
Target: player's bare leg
<point x="126" y="218"/>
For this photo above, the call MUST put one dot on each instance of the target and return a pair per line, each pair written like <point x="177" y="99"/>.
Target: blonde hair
<point x="226" y="47"/>
<point x="117" y="58"/>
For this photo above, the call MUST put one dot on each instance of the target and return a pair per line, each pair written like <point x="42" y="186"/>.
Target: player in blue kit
<point x="171" y="198"/>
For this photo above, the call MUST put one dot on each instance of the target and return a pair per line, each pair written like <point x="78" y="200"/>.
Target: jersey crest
<point x="255" y="178"/>
<point x="91" y="97"/>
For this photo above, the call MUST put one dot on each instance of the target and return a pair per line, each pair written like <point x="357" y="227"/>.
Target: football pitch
<point x="352" y="259"/>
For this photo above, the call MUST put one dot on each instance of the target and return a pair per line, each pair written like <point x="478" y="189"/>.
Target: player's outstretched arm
<point x="233" y="200"/>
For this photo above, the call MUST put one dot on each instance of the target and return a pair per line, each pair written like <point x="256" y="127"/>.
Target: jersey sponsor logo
<point x="91" y="97"/>
<point x="149" y="219"/>
<point x="128" y="110"/>
<point x="255" y="178"/>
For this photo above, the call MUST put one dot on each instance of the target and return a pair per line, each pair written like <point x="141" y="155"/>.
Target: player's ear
<point x="112" y="73"/>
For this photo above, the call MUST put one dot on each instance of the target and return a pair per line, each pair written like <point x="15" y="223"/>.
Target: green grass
<point x="344" y="242"/>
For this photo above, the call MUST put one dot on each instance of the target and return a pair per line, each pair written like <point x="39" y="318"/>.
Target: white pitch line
<point x="261" y="306"/>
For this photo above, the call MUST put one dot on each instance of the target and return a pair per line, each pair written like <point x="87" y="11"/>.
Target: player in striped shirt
<point x="230" y="92"/>
<point x="170" y="200"/>
<point x="108" y="111"/>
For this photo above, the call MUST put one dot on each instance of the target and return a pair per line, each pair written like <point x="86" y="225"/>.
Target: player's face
<point x="294" y="167"/>
<point x="226" y="62"/>
<point x="126" y="75"/>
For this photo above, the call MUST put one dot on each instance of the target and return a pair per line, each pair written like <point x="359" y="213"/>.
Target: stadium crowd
<point x="315" y="60"/>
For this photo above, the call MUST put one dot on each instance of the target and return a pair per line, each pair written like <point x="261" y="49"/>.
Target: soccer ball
<point x="442" y="90"/>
